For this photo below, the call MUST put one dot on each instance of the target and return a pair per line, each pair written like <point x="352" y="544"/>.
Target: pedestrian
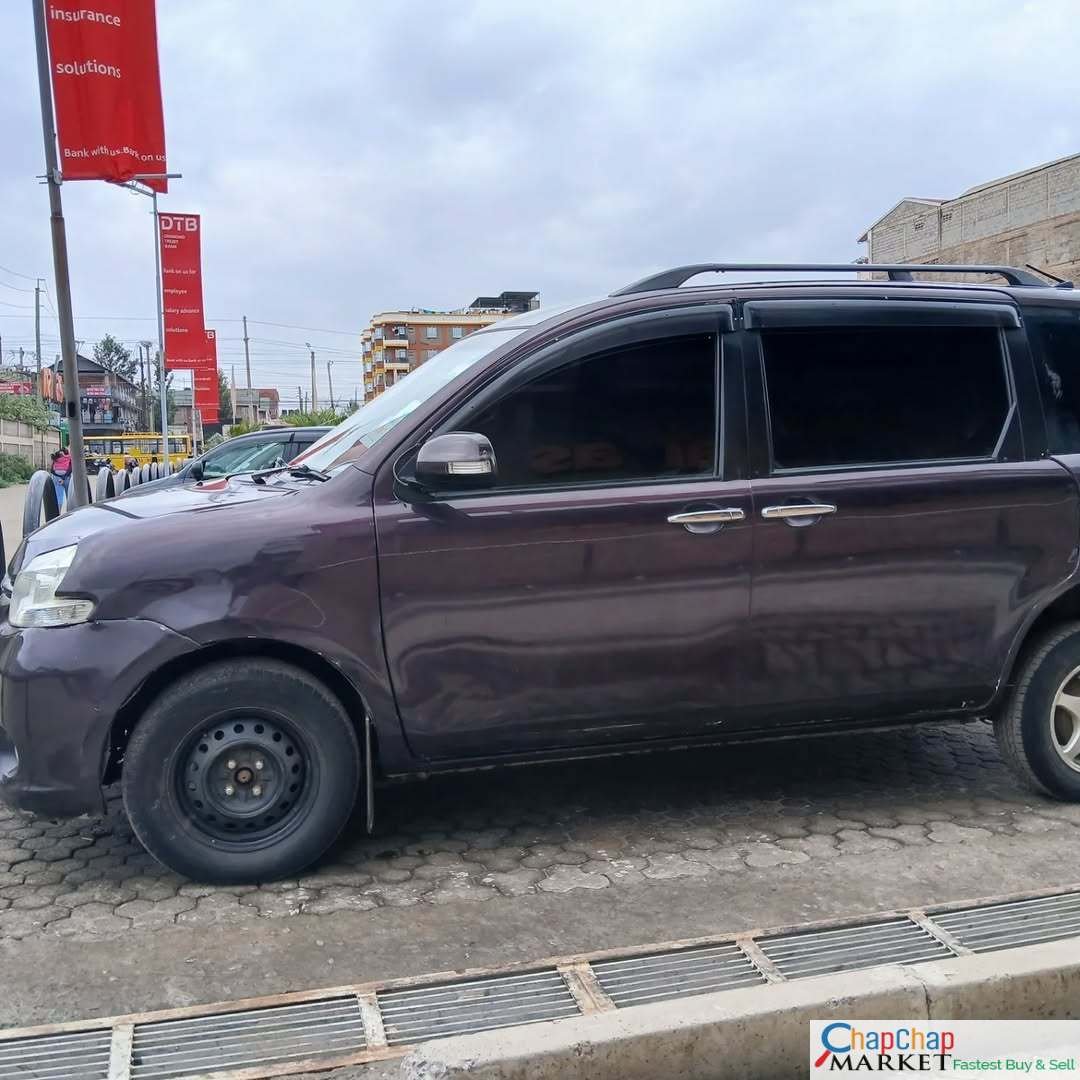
<point x="61" y="473"/>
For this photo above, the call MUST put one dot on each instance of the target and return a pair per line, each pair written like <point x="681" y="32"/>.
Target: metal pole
<point x="161" y="337"/>
<point x="300" y="395"/>
<point x="233" y="394"/>
<point x="37" y="336"/>
<point x="314" y="388"/>
<point x="330" y="379"/>
<point x="247" y="361"/>
<point x="78" y="492"/>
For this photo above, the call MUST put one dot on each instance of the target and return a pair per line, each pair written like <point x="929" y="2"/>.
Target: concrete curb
<point x="762" y="1031"/>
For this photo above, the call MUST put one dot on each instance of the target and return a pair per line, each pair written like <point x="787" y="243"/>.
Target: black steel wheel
<point x="242" y="771"/>
<point x="246" y="779"/>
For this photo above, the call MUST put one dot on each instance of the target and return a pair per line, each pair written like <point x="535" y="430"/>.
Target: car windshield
<point x="372" y="421"/>
<point x="245" y="457"/>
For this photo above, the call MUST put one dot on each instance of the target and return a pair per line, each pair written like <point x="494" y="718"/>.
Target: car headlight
<point x="33" y="597"/>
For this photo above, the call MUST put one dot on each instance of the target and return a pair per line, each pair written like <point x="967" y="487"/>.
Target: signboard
<point x="103" y="61"/>
<point x="205" y="378"/>
<point x="16" y="388"/>
<point x="181" y="287"/>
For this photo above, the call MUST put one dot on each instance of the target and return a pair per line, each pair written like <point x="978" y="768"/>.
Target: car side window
<point x="1055" y="341"/>
<point x="644" y="412"/>
<point x="884" y="395"/>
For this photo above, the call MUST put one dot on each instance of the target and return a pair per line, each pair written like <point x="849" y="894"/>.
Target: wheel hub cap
<point x="1065" y="720"/>
<point x="242" y="780"/>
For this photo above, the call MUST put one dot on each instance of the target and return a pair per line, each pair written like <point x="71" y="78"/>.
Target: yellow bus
<point x="143" y="446"/>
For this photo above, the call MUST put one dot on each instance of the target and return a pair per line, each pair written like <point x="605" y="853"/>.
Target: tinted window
<point x="883" y="395"/>
<point x="630" y="414"/>
<point x="1055" y="338"/>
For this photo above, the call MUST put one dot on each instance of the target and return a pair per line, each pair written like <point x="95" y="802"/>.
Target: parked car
<point x="241" y="454"/>
<point x="671" y="517"/>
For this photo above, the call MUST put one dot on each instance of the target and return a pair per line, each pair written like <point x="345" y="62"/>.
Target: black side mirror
<point x="456" y="460"/>
<point x="195" y="470"/>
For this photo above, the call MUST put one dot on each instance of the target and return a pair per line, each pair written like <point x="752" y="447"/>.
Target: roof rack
<point x="672" y="279"/>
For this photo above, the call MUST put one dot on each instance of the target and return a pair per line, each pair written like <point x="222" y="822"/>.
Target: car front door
<point x="902" y="534"/>
<point x="574" y="604"/>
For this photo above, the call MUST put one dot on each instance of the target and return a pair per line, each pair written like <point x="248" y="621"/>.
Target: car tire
<point x="243" y="771"/>
<point x="1033" y="729"/>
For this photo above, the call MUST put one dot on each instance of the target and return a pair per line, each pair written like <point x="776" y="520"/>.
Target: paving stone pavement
<point x="493" y="836"/>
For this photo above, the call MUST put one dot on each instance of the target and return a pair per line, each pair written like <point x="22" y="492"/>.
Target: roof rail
<point x="672" y="279"/>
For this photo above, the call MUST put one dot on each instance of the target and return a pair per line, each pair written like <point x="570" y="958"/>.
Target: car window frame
<point x="858" y="314"/>
<point x="715" y="319"/>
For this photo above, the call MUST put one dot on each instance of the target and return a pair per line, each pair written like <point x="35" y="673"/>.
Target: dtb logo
<point x="173" y="223"/>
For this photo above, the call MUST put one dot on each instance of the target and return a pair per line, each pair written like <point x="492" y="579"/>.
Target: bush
<point x="29" y="410"/>
<point x="14" y="470"/>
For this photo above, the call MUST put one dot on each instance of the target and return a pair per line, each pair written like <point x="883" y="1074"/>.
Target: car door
<point x="572" y="604"/>
<point x="901" y="532"/>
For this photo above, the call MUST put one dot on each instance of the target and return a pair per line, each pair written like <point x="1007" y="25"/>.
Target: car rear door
<point x="905" y="523"/>
<point x="599" y="593"/>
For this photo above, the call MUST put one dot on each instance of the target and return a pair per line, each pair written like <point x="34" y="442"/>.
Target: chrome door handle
<point x="707" y="517"/>
<point x="797" y="510"/>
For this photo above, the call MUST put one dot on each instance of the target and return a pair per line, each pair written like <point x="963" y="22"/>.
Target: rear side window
<point x="884" y="395"/>
<point x="1055" y="339"/>
<point x="640" y="413"/>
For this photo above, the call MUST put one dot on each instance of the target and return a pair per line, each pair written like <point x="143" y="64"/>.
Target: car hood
<point x="209" y="497"/>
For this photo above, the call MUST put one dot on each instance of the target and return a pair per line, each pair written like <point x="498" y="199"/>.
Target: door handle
<point x="708" y="517"/>
<point x="797" y="510"/>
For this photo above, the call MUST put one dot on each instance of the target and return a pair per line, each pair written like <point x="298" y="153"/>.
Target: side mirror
<point x="458" y="459"/>
<point x="195" y="470"/>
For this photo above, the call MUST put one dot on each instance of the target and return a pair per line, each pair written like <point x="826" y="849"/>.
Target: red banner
<point x="103" y="58"/>
<point x="205" y="379"/>
<point x="181" y="284"/>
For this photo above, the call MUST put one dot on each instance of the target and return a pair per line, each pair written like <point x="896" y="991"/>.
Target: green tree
<point x="321" y="418"/>
<point x="224" y="397"/>
<point x="112" y="356"/>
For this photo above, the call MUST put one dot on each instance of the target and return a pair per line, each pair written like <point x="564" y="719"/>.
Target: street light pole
<point x="72" y="397"/>
<point x="330" y="379"/>
<point x="163" y="392"/>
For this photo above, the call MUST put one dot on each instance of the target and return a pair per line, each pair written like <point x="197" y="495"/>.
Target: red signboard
<point x="205" y="378"/>
<point x="103" y="59"/>
<point x="181" y="285"/>
<point x="16" y="388"/>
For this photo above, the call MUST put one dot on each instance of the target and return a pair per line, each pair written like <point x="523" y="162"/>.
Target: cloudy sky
<point x="351" y="156"/>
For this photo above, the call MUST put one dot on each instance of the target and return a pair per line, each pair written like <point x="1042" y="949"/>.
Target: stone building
<point x="1031" y="217"/>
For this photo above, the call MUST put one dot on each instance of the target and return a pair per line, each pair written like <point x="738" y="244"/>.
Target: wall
<point x="1033" y="218"/>
<point x="28" y="443"/>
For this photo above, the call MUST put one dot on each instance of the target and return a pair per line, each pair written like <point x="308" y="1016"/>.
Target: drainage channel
<point x="351" y="1025"/>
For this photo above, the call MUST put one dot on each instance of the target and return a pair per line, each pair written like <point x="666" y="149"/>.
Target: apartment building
<point x="395" y="342"/>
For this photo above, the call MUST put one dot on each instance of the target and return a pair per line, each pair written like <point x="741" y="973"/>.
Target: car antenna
<point x="1061" y="283"/>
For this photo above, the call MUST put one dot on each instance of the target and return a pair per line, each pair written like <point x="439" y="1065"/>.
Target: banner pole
<point x="72" y="398"/>
<point x="161" y="341"/>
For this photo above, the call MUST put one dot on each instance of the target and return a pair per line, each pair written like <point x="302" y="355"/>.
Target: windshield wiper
<point x="305" y="471"/>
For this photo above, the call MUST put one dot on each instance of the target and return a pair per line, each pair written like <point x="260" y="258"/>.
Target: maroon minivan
<point x="678" y="515"/>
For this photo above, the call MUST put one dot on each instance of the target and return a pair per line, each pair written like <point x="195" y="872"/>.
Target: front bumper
<point x="60" y="690"/>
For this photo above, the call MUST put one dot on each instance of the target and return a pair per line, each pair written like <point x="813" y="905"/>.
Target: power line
<point x="15" y="273"/>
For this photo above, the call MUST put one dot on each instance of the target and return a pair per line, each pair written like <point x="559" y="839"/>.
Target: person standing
<point x="61" y="473"/>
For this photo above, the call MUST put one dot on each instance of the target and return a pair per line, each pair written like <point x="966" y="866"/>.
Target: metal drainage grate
<point x="661" y="976"/>
<point x="434" y="1012"/>
<point x="81" y="1056"/>
<point x="898" y="941"/>
<point x="1004" y="926"/>
<point x="258" y="1037"/>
